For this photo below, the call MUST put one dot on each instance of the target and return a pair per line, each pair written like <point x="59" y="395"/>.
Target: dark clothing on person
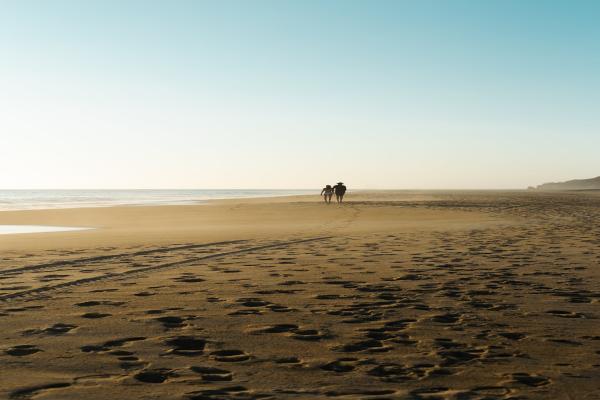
<point x="339" y="189"/>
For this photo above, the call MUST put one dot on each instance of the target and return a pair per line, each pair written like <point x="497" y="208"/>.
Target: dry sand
<point x="394" y="295"/>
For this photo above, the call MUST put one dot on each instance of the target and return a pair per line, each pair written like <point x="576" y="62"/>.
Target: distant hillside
<point x="575" y="184"/>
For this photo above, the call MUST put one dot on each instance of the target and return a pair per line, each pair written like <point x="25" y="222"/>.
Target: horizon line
<point x="273" y="189"/>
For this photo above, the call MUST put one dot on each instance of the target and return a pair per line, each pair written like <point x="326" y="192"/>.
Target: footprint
<point x="231" y="392"/>
<point x="446" y="318"/>
<point x="430" y="393"/>
<point x="95" y="315"/>
<point x="121" y="342"/>
<point x="212" y="374"/>
<point x="230" y="355"/>
<point x="565" y="341"/>
<point x="329" y="297"/>
<point x="279" y="308"/>
<point x="27" y="392"/>
<point x="144" y="294"/>
<point x="100" y="303"/>
<point x="307" y="334"/>
<point x="97" y="348"/>
<point x="288" y="360"/>
<point x="279" y="328"/>
<point x="246" y="312"/>
<point x="131" y="364"/>
<point x="187" y="345"/>
<point x="292" y="283"/>
<point x="398" y="324"/>
<point x="340" y="365"/>
<point x="447" y="343"/>
<point x="171" y="322"/>
<point x="22" y="350"/>
<point x="252" y="302"/>
<point x="512" y="335"/>
<point x="488" y="392"/>
<point x="56" y="329"/>
<point x="529" y="380"/>
<point x="103" y="290"/>
<point x="154" y="375"/>
<point x="378" y="334"/>
<point x="565" y="314"/>
<point x="189" y="278"/>
<point x="370" y="345"/>
<point x="455" y="357"/>
<point x="391" y="372"/>
<point x="369" y="393"/>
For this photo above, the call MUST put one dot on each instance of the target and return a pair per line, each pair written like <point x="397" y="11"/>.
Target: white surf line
<point x="126" y="274"/>
<point x="75" y="261"/>
<point x="24" y="229"/>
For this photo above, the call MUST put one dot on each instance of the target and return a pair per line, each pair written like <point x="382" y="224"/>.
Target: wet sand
<point x="394" y="295"/>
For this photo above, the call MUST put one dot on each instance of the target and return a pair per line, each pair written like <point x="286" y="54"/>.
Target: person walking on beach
<point x="327" y="192"/>
<point x="339" y="190"/>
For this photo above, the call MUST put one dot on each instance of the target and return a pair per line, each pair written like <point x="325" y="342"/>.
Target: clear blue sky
<point x="284" y="94"/>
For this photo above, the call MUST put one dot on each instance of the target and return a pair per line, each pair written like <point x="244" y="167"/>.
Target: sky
<point x="295" y="94"/>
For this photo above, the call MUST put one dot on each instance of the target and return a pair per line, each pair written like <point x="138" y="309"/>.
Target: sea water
<point x="16" y="229"/>
<point x="48" y="199"/>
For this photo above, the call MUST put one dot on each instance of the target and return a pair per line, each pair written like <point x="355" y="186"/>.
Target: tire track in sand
<point x="76" y="261"/>
<point x="116" y="276"/>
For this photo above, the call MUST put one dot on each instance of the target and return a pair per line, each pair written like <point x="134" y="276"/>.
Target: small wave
<point x="13" y="200"/>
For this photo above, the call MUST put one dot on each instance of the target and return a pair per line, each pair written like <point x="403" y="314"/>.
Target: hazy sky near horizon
<point x="296" y="94"/>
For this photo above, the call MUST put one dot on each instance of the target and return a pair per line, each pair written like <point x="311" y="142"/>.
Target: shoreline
<point x="408" y="194"/>
<point x="412" y="193"/>
<point x="225" y="219"/>
<point x="191" y="197"/>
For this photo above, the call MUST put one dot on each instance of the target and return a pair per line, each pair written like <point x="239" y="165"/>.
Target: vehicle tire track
<point x="127" y="274"/>
<point x="76" y="261"/>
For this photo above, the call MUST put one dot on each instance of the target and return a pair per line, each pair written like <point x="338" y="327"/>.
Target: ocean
<point x="48" y="199"/>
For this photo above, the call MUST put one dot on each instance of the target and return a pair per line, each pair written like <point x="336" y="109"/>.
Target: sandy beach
<point x="393" y="295"/>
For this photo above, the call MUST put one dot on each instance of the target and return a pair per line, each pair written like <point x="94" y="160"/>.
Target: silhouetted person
<point x="339" y="190"/>
<point x="327" y="192"/>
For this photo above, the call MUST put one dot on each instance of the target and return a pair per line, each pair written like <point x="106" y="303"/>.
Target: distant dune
<point x="575" y="184"/>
